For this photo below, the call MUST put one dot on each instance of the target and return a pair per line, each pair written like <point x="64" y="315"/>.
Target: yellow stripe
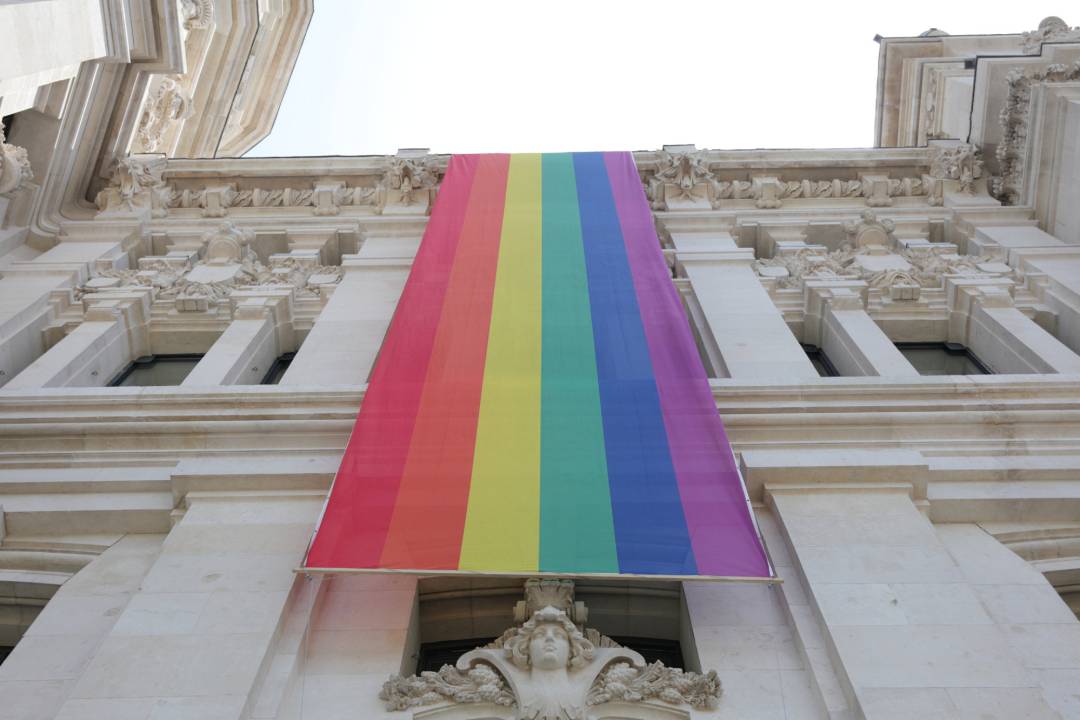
<point x="502" y="525"/>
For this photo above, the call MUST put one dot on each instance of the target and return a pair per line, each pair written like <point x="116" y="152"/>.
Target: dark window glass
<point x="668" y="652"/>
<point x="157" y="371"/>
<point x="277" y="370"/>
<point x="942" y="359"/>
<point x="5" y="650"/>
<point x="434" y="655"/>
<point x="821" y="363"/>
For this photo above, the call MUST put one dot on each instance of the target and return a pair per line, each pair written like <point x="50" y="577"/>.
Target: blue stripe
<point x="650" y="529"/>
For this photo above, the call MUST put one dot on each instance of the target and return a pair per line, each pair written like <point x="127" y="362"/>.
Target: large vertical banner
<point x="539" y="405"/>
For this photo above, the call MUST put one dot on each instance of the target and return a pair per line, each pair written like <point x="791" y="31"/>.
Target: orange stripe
<point x="429" y="516"/>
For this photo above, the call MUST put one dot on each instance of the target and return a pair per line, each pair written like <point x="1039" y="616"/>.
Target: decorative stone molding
<point x="229" y="265"/>
<point x="1051" y="29"/>
<point x="684" y="181"/>
<point x="901" y="273"/>
<point x="136" y="185"/>
<point x="549" y="668"/>
<point x="324" y="198"/>
<point x="1014" y="118"/>
<point x="167" y="104"/>
<point x="197" y="14"/>
<point x="14" y="166"/>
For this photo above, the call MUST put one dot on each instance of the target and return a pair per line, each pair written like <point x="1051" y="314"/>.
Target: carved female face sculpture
<point x="548" y="641"/>
<point x="549" y="647"/>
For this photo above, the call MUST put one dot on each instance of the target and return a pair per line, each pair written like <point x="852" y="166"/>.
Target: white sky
<point x="509" y="76"/>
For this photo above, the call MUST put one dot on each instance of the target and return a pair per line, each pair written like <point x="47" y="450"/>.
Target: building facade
<point x="892" y="337"/>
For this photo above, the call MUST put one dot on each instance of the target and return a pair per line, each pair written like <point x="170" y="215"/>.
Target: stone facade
<point x="926" y="528"/>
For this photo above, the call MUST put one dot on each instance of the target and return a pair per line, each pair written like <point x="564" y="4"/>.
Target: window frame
<point x="950" y="348"/>
<point x="282" y="359"/>
<point x="813" y="352"/>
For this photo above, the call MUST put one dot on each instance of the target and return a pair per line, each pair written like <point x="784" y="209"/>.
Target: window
<point x="457" y="615"/>
<point x="277" y="370"/>
<point x="434" y="655"/>
<point x="820" y="361"/>
<point x="942" y="359"/>
<point x="668" y="652"/>
<point x="5" y="650"/>
<point x="156" y="371"/>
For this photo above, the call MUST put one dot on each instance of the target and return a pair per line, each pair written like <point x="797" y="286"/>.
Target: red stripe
<point x="354" y="526"/>
<point x="429" y="517"/>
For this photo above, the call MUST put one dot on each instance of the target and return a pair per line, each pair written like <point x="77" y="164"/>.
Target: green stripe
<point x="577" y="533"/>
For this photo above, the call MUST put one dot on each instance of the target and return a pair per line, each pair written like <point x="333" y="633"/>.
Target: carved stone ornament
<point x="684" y="181"/>
<point x="409" y="180"/>
<point x="869" y="230"/>
<point x="136" y="179"/>
<point x="228" y="244"/>
<point x="229" y="264"/>
<point x="197" y="14"/>
<point x="169" y="103"/>
<point x="547" y="668"/>
<point x="1014" y="118"/>
<point x="1051" y="29"/>
<point x="14" y="166"/>
<point x="679" y="177"/>
<point x="878" y="266"/>
<point x="959" y="162"/>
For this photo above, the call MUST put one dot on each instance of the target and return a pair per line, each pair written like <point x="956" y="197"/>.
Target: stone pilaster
<point x="342" y="346"/>
<point x="982" y="316"/>
<point x="113" y="333"/>
<point x="746" y="326"/>
<point x="836" y="320"/>
<point x="260" y="331"/>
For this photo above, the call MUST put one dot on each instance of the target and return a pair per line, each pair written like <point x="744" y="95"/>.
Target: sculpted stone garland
<point x="1014" y="118"/>
<point x="137" y="180"/>
<point x="1051" y="29"/>
<point x="690" y="176"/>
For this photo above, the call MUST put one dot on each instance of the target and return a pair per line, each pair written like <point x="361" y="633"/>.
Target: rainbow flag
<point x="539" y="404"/>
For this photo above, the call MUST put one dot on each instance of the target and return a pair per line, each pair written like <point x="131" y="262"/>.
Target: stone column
<point x="982" y="317"/>
<point x="924" y="621"/>
<point x="197" y="637"/>
<point x="113" y="333"/>
<point x="342" y="346"/>
<point x="746" y="326"/>
<point x="260" y="331"/>
<point x="836" y="321"/>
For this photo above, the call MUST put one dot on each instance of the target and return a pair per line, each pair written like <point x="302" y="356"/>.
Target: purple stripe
<point x="722" y="532"/>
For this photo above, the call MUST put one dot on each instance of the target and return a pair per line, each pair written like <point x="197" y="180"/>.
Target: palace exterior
<point x="892" y="336"/>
